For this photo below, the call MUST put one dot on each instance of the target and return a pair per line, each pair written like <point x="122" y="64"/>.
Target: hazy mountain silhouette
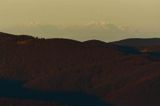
<point x="139" y="42"/>
<point x="55" y="72"/>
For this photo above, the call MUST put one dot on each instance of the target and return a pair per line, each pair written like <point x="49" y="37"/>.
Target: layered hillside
<point x="99" y="72"/>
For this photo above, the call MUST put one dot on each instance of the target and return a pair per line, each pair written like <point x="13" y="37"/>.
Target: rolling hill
<point x="79" y="73"/>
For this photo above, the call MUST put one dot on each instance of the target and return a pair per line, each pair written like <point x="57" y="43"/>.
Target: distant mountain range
<point x="65" y="72"/>
<point x="139" y="42"/>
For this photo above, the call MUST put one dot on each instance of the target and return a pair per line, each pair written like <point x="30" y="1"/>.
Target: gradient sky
<point x="141" y="16"/>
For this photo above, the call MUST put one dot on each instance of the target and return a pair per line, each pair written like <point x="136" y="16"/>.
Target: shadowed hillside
<point x="92" y="71"/>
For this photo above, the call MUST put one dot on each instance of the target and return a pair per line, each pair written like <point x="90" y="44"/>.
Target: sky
<point x="106" y="20"/>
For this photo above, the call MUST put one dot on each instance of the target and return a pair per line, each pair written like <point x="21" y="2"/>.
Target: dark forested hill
<point x="53" y="72"/>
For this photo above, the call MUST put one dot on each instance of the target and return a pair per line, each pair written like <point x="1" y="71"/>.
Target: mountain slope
<point x="122" y="75"/>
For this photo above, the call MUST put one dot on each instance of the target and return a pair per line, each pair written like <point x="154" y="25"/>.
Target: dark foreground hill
<point x="63" y="72"/>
